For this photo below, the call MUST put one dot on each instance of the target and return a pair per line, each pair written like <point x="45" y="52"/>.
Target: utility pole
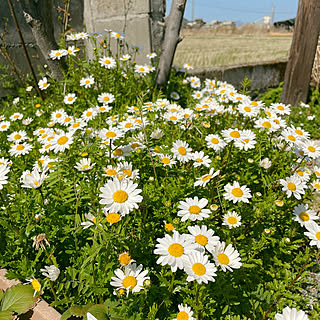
<point x="272" y="12"/>
<point x="192" y="10"/>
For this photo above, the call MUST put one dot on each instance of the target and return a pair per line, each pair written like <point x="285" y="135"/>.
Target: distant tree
<point x="171" y="39"/>
<point x="302" y="53"/>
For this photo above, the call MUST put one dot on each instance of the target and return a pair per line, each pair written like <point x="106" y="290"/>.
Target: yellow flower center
<point x="317" y="185"/>
<point x="214" y="140"/>
<point x="118" y="35"/>
<point x="169" y="227"/>
<point x="127" y="172"/>
<point x="70" y="98"/>
<point x="85" y="166"/>
<point x="199" y="269"/>
<point x="304" y="216"/>
<point x="134" y="145"/>
<point x="124" y="259"/>
<point x="311" y="149"/>
<point x="129" y="282"/>
<point x="266" y="124"/>
<point x="111" y="172"/>
<point x="201" y="239"/>
<point x="106" y="98"/>
<point x="292" y="186"/>
<point x="194" y="209"/>
<point x="44" y="84"/>
<point x="17" y="137"/>
<point x="20" y="147"/>
<point x="235" y="134"/>
<point x="247" y="109"/>
<point x="182" y="150"/>
<point x="317" y="173"/>
<point x="182" y="315"/>
<point x="87" y="81"/>
<point x="223" y="258"/>
<point x="237" y="192"/>
<point x="232" y="220"/>
<point x="110" y="134"/>
<point x="58" y="115"/>
<point x="291" y="137"/>
<point x="199" y="160"/>
<point x="36" y="183"/>
<point x="165" y="160"/>
<point x="113" y="217"/>
<point x="3" y="126"/>
<point x="120" y="196"/>
<point x="254" y="103"/>
<point x="118" y="152"/>
<point x="281" y="108"/>
<point x="173" y="118"/>
<point x="299" y="132"/>
<point x="141" y="69"/>
<point x="206" y="177"/>
<point x="176" y="250"/>
<point x="67" y="119"/>
<point x="36" y="285"/>
<point x="107" y="61"/>
<point x="89" y="114"/>
<point x="128" y="125"/>
<point x="58" y="54"/>
<point x="300" y="173"/>
<point x="63" y="140"/>
<point x="318" y="235"/>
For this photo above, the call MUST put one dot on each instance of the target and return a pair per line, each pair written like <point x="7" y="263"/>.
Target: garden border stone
<point x="42" y="310"/>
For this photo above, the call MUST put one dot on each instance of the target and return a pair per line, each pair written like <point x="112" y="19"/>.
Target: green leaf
<point x="5" y="315"/>
<point x="1" y="294"/>
<point x="99" y="311"/>
<point x="18" y="299"/>
<point x="66" y="315"/>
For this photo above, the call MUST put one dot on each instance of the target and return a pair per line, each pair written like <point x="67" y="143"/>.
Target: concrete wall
<point x="263" y="75"/>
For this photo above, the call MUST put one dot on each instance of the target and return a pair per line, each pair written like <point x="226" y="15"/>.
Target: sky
<point x="239" y="10"/>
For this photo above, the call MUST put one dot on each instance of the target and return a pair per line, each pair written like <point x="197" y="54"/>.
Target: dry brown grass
<point x="203" y="48"/>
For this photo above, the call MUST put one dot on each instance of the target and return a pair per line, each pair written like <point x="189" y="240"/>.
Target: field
<point x="205" y="49"/>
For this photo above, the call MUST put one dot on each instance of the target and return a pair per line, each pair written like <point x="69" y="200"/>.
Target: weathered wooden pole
<point x="171" y="39"/>
<point x="302" y="53"/>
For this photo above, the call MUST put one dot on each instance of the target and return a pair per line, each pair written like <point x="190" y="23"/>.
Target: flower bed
<point x="120" y="201"/>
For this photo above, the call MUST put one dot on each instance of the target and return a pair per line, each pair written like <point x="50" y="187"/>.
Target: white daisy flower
<point x="157" y="134"/>
<point x="313" y="234"/>
<point x="131" y="279"/>
<point x="316" y="171"/>
<point x="34" y="179"/>
<point x="87" y="82"/>
<point x="51" y="272"/>
<point x="247" y="140"/>
<point x="16" y="116"/>
<point x="198" y="268"/>
<point x="290" y="136"/>
<point x="61" y="142"/>
<point x="235" y="193"/>
<point x="173" y="249"/>
<point x="118" y="35"/>
<point x="248" y="110"/>
<point x="193" y="209"/>
<point x="151" y="55"/>
<point x="26" y="121"/>
<point x="58" y="116"/>
<point x="200" y="159"/>
<point x="310" y="149"/>
<point x="84" y="164"/>
<point x="280" y="108"/>
<point x="231" y="219"/>
<point x="91" y="221"/>
<point x="141" y="69"/>
<point x="110" y="171"/>
<point x="227" y="258"/>
<point x="107" y="62"/>
<point x="4" y="125"/>
<point x="181" y="151"/>
<point x="89" y="114"/>
<point x="291" y="314"/>
<point x="20" y="149"/>
<point x="17" y="136"/>
<point x="43" y="84"/>
<point x="265" y="163"/>
<point x="316" y="185"/>
<point x="125" y="57"/>
<point x="231" y="134"/>
<point x="203" y="180"/>
<point x="215" y="142"/>
<point x="4" y="170"/>
<point x="303" y="174"/>
<point x="266" y="124"/>
<point x="57" y="54"/>
<point x="71" y="51"/>
<point x="167" y="160"/>
<point x="70" y="98"/>
<point x="293" y="185"/>
<point x="203" y="237"/>
<point x="185" y="313"/>
<point x="120" y="196"/>
<point x="106" y="98"/>
<point x="303" y="215"/>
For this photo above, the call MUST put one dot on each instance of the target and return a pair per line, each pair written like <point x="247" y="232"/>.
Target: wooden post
<point x="171" y="39"/>
<point x="302" y="53"/>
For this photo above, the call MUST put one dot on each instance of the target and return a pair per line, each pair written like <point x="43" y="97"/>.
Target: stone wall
<point x="263" y="75"/>
<point x="138" y="19"/>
